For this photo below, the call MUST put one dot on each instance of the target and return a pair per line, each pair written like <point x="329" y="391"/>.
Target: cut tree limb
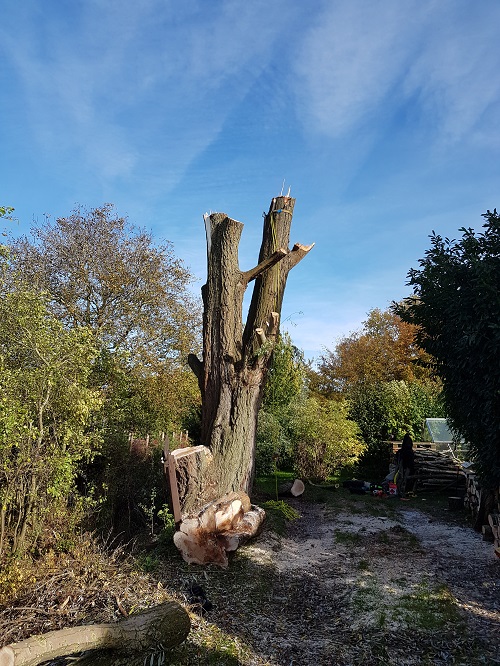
<point x="254" y="273"/>
<point x="167" y="624"/>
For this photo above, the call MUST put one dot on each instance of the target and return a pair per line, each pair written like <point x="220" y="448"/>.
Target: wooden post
<point x="174" y="491"/>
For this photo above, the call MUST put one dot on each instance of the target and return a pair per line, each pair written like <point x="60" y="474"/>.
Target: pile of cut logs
<point x="473" y="493"/>
<point x="436" y="470"/>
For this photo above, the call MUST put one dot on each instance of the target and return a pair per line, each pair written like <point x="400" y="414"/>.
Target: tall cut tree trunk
<point x="235" y="358"/>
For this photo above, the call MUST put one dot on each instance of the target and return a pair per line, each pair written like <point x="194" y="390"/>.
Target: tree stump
<point x="236" y="357"/>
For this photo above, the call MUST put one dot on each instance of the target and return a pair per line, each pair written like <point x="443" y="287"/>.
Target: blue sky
<point x="382" y="116"/>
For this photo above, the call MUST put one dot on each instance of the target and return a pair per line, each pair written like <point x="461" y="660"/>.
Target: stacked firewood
<point x="473" y="493"/>
<point x="436" y="470"/>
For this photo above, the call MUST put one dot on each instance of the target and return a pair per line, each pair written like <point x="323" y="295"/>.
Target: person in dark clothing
<point x="405" y="464"/>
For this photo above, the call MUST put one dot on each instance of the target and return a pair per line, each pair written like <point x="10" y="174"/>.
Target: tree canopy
<point x="103" y="273"/>
<point x="97" y="321"/>
<point x="383" y="350"/>
<point x="456" y="305"/>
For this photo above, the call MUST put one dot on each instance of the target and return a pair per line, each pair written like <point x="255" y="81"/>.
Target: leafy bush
<point x="273" y="446"/>
<point x="325" y="438"/>
<point x="46" y="408"/>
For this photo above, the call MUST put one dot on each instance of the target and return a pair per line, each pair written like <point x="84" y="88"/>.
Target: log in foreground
<point x="218" y="528"/>
<point x="167" y="624"/>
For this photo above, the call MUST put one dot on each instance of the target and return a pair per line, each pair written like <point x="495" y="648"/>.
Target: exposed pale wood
<point x="246" y="529"/>
<point x="167" y="624"/>
<point x="254" y="273"/>
<point x="219" y="527"/>
<point x="294" y="488"/>
<point x="187" y="471"/>
<point x="259" y="332"/>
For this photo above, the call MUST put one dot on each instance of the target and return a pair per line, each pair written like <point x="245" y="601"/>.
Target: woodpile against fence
<point x="472" y="500"/>
<point x="436" y="470"/>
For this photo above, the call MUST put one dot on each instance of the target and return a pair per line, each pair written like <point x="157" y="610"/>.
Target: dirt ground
<point x="365" y="581"/>
<point x="356" y="580"/>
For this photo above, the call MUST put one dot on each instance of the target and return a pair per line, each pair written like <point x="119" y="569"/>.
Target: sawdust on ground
<point x="356" y="588"/>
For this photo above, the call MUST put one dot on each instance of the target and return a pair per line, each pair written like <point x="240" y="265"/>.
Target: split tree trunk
<point x="167" y="624"/>
<point x="218" y="528"/>
<point x="235" y="361"/>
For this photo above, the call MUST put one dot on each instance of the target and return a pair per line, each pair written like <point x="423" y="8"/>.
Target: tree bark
<point x="235" y="358"/>
<point x="167" y="624"/>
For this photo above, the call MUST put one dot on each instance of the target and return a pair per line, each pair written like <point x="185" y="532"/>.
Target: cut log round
<point x="294" y="488"/>
<point x="167" y="624"/>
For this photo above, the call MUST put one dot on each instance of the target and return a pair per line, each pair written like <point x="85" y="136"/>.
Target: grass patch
<point x="429" y="608"/>
<point x="348" y="538"/>
<point x="278" y="515"/>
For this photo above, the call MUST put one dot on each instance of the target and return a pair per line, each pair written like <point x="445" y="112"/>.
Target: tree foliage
<point x="285" y="383"/>
<point x="387" y="379"/>
<point x="46" y="409"/>
<point x="456" y="305"/>
<point x="286" y="377"/>
<point x="92" y="274"/>
<point x="325" y="439"/>
<point x="384" y="350"/>
<point x="103" y="273"/>
<point x="295" y="430"/>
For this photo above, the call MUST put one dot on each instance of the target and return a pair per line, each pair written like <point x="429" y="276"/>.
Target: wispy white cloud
<point x="184" y="70"/>
<point x="455" y="76"/>
<point x="361" y="56"/>
<point x="352" y="58"/>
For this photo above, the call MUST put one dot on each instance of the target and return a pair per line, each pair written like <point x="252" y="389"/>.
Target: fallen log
<point x="167" y="624"/>
<point x="218" y="528"/>
<point x="294" y="488"/>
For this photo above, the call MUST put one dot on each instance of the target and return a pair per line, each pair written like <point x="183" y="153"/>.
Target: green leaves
<point x="105" y="274"/>
<point x="45" y="412"/>
<point x="325" y="438"/>
<point x="456" y="304"/>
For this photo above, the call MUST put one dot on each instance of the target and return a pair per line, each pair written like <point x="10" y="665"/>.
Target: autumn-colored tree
<point x="384" y="350"/>
<point x="99" y="272"/>
<point x="388" y="380"/>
